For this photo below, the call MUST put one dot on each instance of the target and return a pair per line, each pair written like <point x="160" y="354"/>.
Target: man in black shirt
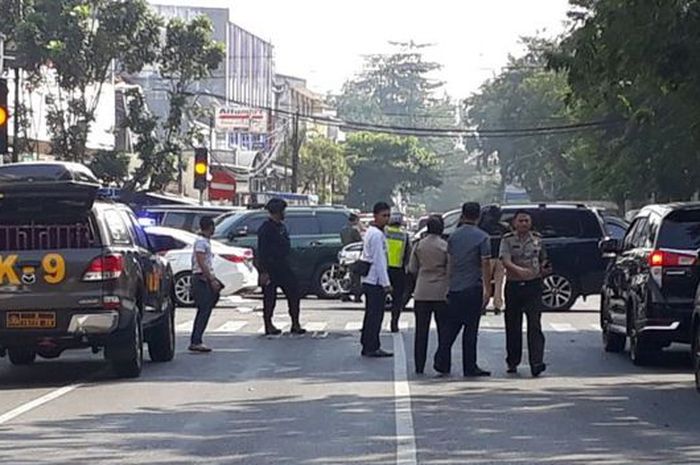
<point x="274" y="248"/>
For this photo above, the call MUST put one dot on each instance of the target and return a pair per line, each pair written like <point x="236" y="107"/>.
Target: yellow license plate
<point x="30" y="320"/>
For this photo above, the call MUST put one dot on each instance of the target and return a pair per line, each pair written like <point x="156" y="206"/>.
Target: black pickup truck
<point x="77" y="272"/>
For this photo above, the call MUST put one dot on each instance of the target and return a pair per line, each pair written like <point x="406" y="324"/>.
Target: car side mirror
<point x="610" y="245"/>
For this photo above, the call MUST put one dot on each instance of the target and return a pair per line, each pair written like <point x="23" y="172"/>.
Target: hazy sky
<point x="324" y="40"/>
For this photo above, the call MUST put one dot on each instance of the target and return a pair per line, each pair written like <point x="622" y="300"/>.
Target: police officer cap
<point x="276" y="205"/>
<point x="396" y="219"/>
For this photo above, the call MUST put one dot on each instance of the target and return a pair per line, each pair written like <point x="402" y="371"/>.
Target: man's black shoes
<point x="272" y="331"/>
<point x="512" y="369"/>
<point x="476" y="372"/>
<point x="537" y="370"/>
<point x="297" y="330"/>
<point x="380" y="353"/>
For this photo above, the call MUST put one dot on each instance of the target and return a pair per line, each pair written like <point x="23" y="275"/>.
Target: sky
<point x="324" y="41"/>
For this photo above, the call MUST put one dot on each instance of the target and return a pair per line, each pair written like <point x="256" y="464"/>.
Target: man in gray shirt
<point x="469" y="251"/>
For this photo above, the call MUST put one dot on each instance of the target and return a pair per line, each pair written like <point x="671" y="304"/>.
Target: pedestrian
<point x="375" y="283"/>
<point x="274" y="249"/>
<point x="399" y="249"/>
<point x="205" y="286"/>
<point x="497" y="274"/>
<point x="350" y="234"/>
<point x="428" y="264"/>
<point x="469" y="252"/>
<point x="525" y="261"/>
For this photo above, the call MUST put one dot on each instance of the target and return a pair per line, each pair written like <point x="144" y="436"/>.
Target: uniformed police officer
<point x="398" y="250"/>
<point x="525" y="261"/>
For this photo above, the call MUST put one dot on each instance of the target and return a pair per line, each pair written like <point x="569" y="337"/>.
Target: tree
<point x="110" y="166"/>
<point x="383" y="165"/>
<point x="80" y="41"/>
<point x="324" y="169"/>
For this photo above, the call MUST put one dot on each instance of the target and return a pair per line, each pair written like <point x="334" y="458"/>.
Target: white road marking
<point x="231" y="327"/>
<point x="245" y="309"/>
<point x="24" y="408"/>
<point x="353" y="326"/>
<point x="403" y="324"/>
<point x="563" y="327"/>
<point x="405" y="434"/>
<point x="315" y="326"/>
<point x="595" y="326"/>
<point x="185" y="327"/>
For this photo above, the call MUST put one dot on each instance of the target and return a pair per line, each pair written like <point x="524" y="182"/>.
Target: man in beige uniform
<point x="525" y="261"/>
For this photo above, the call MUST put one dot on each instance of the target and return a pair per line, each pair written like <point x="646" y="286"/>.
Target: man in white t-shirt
<point x="205" y="286"/>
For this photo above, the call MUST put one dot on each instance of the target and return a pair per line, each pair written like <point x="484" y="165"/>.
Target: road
<point x="313" y="400"/>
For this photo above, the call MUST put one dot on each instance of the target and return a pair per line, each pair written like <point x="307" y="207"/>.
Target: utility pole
<point x="296" y="146"/>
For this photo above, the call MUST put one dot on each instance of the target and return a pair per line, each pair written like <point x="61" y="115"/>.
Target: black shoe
<point x="477" y="372"/>
<point x="537" y="370"/>
<point x="394" y="327"/>
<point x="379" y="353"/>
<point x="512" y="369"/>
<point x="297" y="330"/>
<point x="272" y="331"/>
<point x="497" y="311"/>
<point x="419" y="372"/>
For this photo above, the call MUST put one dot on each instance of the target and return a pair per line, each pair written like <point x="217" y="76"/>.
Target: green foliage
<point x="323" y="169"/>
<point x="384" y="164"/>
<point x="110" y="166"/>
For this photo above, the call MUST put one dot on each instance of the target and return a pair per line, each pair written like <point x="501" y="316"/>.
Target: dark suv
<point x="77" y="273"/>
<point x="315" y="236"/>
<point x="571" y="234"/>
<point x="650" y="288"/>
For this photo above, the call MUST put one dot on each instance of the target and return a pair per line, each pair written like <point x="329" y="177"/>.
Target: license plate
<point x="30" y="320"/>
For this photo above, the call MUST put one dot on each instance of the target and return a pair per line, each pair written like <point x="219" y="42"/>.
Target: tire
<point x="327" y="282"/>
<point x="161" y="343"/>
<point x="612" y="342"/>
<point x="20" y="357"/>
<point x="182" y="289"/>
<point x="696" y="356"/>
<point x="558" y="293"/>
<point x="127" y="358"/>
<point x="642" y="353"/>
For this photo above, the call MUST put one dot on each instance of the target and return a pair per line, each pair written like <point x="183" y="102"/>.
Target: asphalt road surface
<point x="312" y="400"/>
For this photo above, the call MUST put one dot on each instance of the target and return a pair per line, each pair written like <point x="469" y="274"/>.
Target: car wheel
<point x="642" y="352"/>
<point x="696" y="356"/>
<point x="558" y="293"/>
<point x="328" y="282"/>
<point x="127" y="359"/>
<point x="612" y="341"/>
<point x="20" y="357"/>
<point x="161" y="345"/>
<point x="183" y="289"/>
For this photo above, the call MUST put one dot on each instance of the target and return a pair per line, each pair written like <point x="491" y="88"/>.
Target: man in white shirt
<point x="205" y="286"/>
<point x="376" y="284"/>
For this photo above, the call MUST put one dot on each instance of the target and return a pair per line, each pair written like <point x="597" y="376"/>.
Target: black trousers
<point x="463" y="313"/>
<point x="205" y="299"/>
<point x="399" y="279"/>
<point x="285" y="279"/>
<point x="524" y="298"/>
<point x="424" y="311"/>
<point x="375" y="300"/>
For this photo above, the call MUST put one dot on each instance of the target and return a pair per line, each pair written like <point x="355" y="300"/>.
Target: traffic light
<point x="4" y="117"/>
<point x="201" y="168"/>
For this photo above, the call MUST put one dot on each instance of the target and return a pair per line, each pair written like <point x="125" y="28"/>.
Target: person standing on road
<point x="469" y="253"/>
<point x="497" y="274"/>
<point x="429" y="264"/>
<point x="274" y="249"/>
<point x="399" y="251"/>
<point x="525" y="261"/>
<point x="205" y="286"/>
<point x="376" y="283"/>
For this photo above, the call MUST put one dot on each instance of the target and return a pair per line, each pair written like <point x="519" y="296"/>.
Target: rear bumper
<point x="667" y="323"/>
<point x="74" y="328"/>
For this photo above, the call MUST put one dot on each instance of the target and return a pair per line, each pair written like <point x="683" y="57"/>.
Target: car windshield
<point x="224" y="225"/>
<point x="681" y="230"/>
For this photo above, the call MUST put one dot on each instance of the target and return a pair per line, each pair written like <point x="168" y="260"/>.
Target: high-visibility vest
<point x="396" y="246"/>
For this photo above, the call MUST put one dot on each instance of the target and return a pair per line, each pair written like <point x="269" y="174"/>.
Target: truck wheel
<point x="127" y="358"/>
<point x="20" y="357"/>
<point x="161" y="344"/>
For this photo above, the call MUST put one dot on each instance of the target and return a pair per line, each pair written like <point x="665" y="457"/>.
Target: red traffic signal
<point x="201" y="168"/>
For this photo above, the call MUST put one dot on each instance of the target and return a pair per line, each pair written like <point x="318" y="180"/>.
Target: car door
<point x="617" y="284"/>
<point x="631" y="268"/>
<point x="305" y="234"/>
<point x="245" y="233"/>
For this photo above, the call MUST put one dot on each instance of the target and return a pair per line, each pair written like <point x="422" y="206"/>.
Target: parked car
<point x="183" y="217"/>
<point x="315" y="236"/>
<point x="233" y="266"/>
<point x="571" y="234"/>
<point x="615" y="227"/>
<point x="649" y="290"/>
<point x="77" y="273"/>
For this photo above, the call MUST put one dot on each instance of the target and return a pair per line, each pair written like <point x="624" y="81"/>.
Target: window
<point x="178" y="220"/>
<point x="640" y="230"/>
<point x="165" y="243"/>
<point x="332" y="223"/>
<point x="137" y="233"/>
<point x="681" y="230"/>
<point x="118" y="231"/>
<point x="560" y="223"/>
<point x="253" y="223"/>
<point x="615" y="230"/>
<point x="628" y="243"/>
<point x="302" y="225"/>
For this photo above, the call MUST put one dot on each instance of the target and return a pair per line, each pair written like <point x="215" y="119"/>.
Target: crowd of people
<point x="452" y="281"/>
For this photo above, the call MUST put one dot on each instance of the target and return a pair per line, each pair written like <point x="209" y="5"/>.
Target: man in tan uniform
<point x="525" y="261"/>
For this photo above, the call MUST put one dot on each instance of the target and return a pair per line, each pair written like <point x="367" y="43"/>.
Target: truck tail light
<point x="105" y="268"/>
